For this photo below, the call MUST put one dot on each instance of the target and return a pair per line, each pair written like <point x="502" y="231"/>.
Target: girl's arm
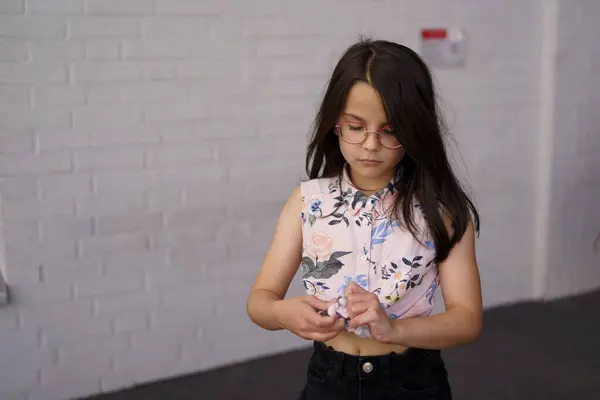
<point x="461" y="289"/>
<point x="266" y="307"/>
<point x="460" y="323"/>
<point x="279" y="266"/>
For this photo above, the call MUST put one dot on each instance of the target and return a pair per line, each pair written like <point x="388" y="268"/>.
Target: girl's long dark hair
<point x="406" y="88"/>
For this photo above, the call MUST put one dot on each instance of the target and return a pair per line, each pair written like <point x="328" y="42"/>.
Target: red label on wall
<point x="429" y="34"/>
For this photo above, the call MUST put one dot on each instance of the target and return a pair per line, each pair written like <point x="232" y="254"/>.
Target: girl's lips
<point x="370" y="162"/>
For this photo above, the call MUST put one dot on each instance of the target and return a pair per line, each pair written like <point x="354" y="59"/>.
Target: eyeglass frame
<point x="366" y="134"/>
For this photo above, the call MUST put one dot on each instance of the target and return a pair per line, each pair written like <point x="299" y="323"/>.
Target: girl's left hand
<point x="364" y="308"/>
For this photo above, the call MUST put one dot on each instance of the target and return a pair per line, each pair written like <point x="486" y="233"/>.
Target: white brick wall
<point x="574" y="221"/>
<point x="136" y="136"/>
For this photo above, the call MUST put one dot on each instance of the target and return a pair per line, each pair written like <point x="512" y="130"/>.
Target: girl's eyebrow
<point x="362" y="119"/>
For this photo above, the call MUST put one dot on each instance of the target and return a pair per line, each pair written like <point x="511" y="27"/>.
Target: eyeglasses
<point x="356" y="132"/>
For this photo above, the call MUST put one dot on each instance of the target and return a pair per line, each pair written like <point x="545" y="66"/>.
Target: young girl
<point x="379" y="227"/>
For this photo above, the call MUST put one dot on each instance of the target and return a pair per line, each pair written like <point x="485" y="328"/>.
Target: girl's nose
<point x="371" y="143"/>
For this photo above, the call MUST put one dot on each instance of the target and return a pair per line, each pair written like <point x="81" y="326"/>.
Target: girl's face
<point x="372" y="165"/>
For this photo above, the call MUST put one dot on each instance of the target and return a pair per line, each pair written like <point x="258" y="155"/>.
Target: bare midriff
<point x="350" y="343"/>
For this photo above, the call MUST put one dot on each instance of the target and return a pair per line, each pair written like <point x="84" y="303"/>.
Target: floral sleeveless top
<point x="348" y="236"/>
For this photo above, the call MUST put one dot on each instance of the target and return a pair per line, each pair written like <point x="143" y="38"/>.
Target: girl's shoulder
<point x="318" y="187"/>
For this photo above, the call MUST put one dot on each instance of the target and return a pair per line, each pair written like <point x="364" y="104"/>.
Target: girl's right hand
<point x="300" y="315"/>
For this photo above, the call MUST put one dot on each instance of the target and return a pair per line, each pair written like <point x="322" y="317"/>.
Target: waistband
<point x="412" y="361"/>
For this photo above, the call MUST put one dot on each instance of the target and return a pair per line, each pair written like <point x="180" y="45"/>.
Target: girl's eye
<point x="388" y="131"/>
<point x="355" y="127"/>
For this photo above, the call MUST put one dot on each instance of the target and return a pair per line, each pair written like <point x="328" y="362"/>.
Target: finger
<point x="357" y="308"/>
<point x="359" y="302"/>
<point x="318" y="321"/>
<point x="324" y="323"/>
<point x="359" y="297"/>
<point x="323" y="335"/>
<point x="352" y="288"/>
<point x="339" y="325"/>
<point x="316" y="303"/>
<point x="319" y="304"/>
<point x="365" y="318"/>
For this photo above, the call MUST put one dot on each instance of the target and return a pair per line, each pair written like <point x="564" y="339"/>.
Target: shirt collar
<point x="356" y="201"/>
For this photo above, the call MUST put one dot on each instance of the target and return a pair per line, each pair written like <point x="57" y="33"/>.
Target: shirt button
<point x="367" y="367"/>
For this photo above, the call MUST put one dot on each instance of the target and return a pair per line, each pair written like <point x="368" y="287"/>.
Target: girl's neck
<point x="368" y="186"/>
